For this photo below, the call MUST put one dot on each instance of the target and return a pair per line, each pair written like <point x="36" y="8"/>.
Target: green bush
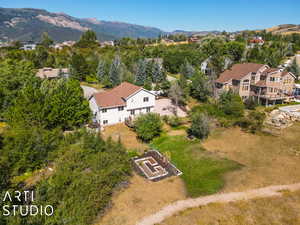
<point x="253" y="122"/>
<point x="148" y="126"/>
<point x="173" y="121"/>
<point x="250" y="103"/>
<point x="200" y="127"/>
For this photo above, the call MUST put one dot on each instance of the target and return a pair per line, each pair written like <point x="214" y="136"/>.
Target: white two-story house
<point x="125" y="101"/>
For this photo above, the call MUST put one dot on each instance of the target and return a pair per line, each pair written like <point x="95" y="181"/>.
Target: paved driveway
<point x="165" y="106"/>
<point x="88" y="91"/>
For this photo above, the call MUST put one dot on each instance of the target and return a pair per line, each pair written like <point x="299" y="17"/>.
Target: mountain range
<point x="26" y="24"/>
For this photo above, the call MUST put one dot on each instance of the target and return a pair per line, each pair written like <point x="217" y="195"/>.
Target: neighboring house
<point x="256" y="41"/>
<point x="123" y="102"/>
<point x="194" y="39"/>
<point x="64" y="44"/>
<point x="29" y="47"/>
<point x="267" y="85"/>
<point x="50" y="73"/>
<point x="107" y="43"/>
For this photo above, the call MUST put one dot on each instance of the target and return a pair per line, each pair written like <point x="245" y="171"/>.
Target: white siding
<point x="134" y="102"/>
<point x="113" y="116"/>
<point x="94" y="108"/>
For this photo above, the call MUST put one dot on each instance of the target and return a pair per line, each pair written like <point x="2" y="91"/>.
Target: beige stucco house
<point x="267" y="85"/>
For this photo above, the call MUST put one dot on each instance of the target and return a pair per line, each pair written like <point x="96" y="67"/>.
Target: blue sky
<point x="230" y="15"/>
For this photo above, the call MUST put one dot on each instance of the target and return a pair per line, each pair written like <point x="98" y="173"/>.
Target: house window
<point x="132" y="112"/>
<point x="270" y="89"/>
<point x="148" y="109"/>
<point x="272" y="78"/>
<point x="146" y="99"/>
<point x="105" y="121"/>
<point x="104" y="110"/>
<point x="121" y="108"/>
<point x="245" y="87"/>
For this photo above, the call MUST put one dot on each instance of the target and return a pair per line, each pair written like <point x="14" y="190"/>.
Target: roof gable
<point x="116" y="96"/>
<point x="238" y="71"/>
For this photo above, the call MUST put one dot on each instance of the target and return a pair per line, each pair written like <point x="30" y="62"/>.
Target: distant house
<point x="64" y="44"/>
<point x="107" y="43"/>
<point x="123" y="102"/>
<point x="194" y="39"/>
<point x="267" y="85"/>
<point x="256" y="41"/>
<point x="50" y="73"/>
<point x="29" y="47"/>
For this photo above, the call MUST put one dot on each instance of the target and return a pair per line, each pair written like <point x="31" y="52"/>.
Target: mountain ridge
<point x="27" y="24"/>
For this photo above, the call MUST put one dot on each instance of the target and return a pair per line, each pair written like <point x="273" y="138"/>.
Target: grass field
<point x="127" y="136"/>
<point x="202" y="172"/>
<point x="267" y="160"/>
<point x="267" y="211"/>
<point x="141" y="198"/>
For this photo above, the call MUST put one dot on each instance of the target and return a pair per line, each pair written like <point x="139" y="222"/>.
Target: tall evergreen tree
<point x="79" y="68"/>
<point x="201" y="88"/>
<point x="157" y="73"/>
<point x="187" y="70"/>
<point x="101" y="73"/>
<point x="115" y="72"/>
<point x="141" y="73"/>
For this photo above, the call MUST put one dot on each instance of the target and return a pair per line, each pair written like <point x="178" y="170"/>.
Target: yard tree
<point x="141" y="73"/>
<point x="235" y="50"/>
<point x="148" y="83"/>
<point x="65" y="105"/>
<point x="46" y="41"/>
<point x="200" y="127"/>
<point x="231" y="104"/>
<point x="201" y="87"/>
<point x="101" y="73"/>
<point x="79" y="68"/>
<point x="176" y="94"/>
<point x="157" y="73"/>
<point x="116" y="71"/>
<point x="49" y="104"/>
<point x="187" y="70"/>
<point x="183" y="84"/>
<point x="148" y="126"/>
<point x="87" y="39"/>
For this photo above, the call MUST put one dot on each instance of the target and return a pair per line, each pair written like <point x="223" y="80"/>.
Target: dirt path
<point x="220" y="198"/>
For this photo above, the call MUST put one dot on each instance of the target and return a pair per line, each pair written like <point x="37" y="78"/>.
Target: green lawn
<point x="202" y="171"/>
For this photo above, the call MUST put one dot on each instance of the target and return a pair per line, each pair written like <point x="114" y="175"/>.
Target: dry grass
<point x="267" y="160"/>
<point x="267" y="211"/>
<point x="142" y="198"/>
<point x="128" y="136"/>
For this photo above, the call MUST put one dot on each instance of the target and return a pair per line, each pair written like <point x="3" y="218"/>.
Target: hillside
<point x="28" y="24"/>
<point x="284" y="29"/>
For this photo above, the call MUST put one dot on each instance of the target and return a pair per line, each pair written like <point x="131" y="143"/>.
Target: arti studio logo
<point x="22" y="203"/>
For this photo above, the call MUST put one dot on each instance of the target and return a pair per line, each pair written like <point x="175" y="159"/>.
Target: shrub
<point x="173" y="121"/>
<point x="250" y="103"/>
<point x="253" y="122"/>
<point x="200" y="127"/>
<point x="148" y="126"/>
